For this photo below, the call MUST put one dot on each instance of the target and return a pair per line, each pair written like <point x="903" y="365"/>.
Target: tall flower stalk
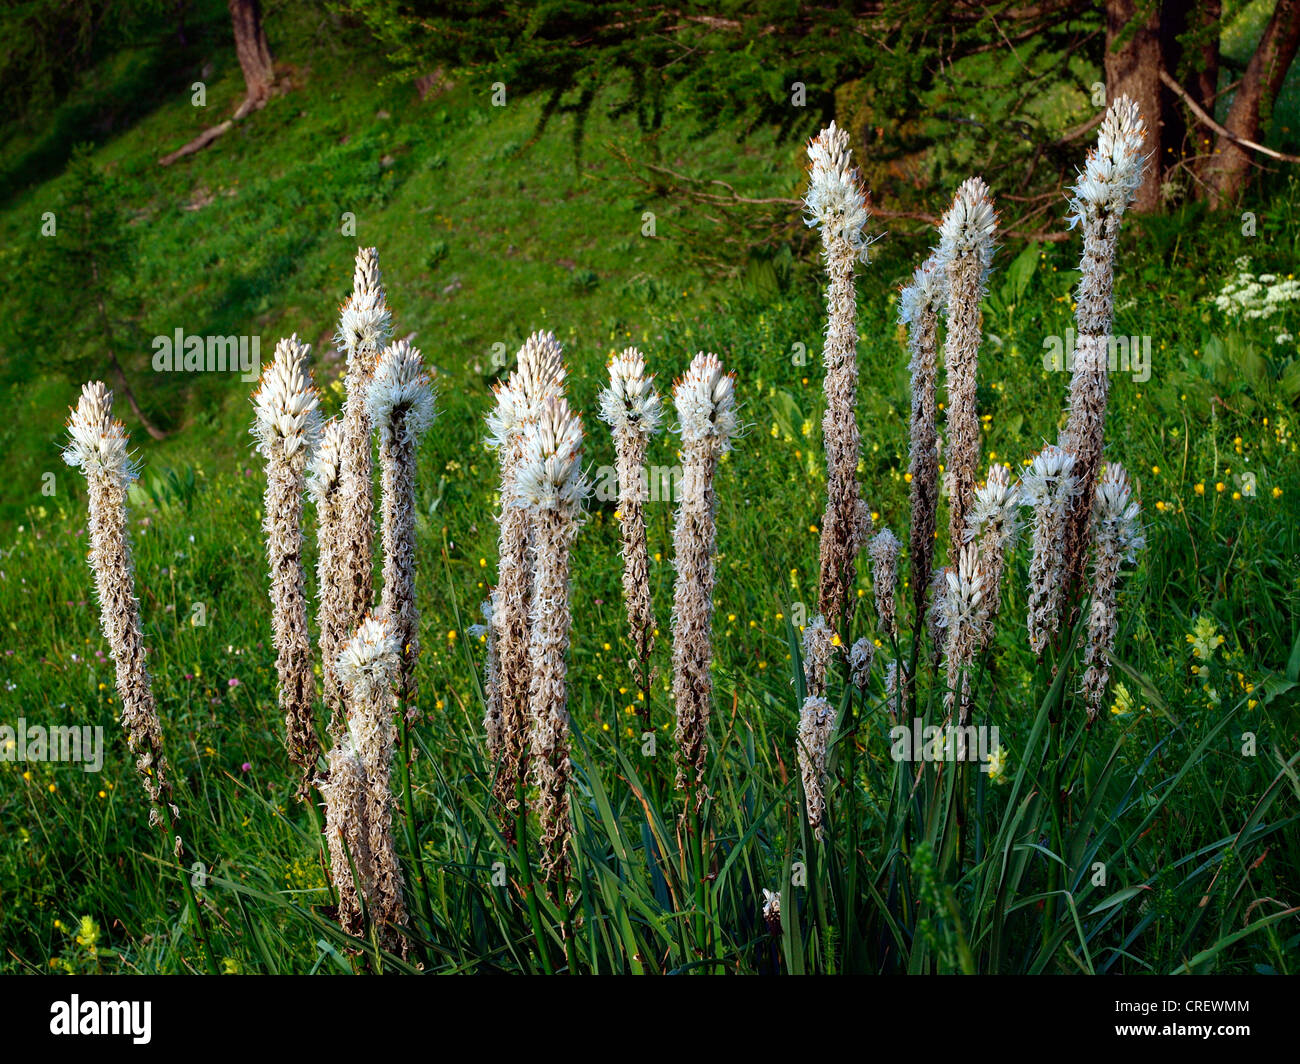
<point x="919" y="305"/>
<point x="287" y="427"/>
<point x="347" y="833"/>
<point x="963" y="618"/>
<point x="1105" y="190"/>
<point x="994" y="524"/>
<point x="836" y="204"/>
<point x="401" y="409"/>
<point x="1117" y="537"/>
<point x="1047" y="487"/>
<point x="816" y="723"/>
<point x="633" y="411"/>
<point x="549" y="484"/>
<point x="538" y="377"/>
<point x="368" y="668"/>
<point x="705" y="402"/>
<point x="98" y="446"/>
<point x="816" y="720"/>
<point x="885" y="549"/>
<point x="965" y="252"/>
<point x="323" y="482"/>
<point x="365" y="325"/>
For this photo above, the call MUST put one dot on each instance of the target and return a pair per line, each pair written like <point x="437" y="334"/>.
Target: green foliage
<point x="245" y="238"/>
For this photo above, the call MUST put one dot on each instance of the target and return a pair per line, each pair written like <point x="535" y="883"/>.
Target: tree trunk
<point x="254" y="53"/>
<point x="1227" y="173"/>
<point x="1133" y="70"/>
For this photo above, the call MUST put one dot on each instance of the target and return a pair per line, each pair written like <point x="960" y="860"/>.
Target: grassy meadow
<point x="1187" y="794"/>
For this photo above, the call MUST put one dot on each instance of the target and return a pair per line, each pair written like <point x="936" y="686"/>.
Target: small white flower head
<point x="367" y="280"/>
<point x="370" y="662"/>
<point x="861" y="656"/>
<point x="99" y="441"/>
<point x="884" y="551"/>
<point x="365" y="323"/>
<point x="705" y="398"/>
<point x="997" y="504"/>
<point x="818" y="645"/>
<point x="400" y="386"/>
<point x="891" y="681"/>
<point x="928" y="291"/>
<point x="1049" y="478"/>
<point x="835" y="201"/>
<point x="325" y="468"/>
<point x="1113" y="172"/>
<point x="1117" y="514"/>
<point x="286" y="403"/>
<point x="964" y="592"/>
<point x="967" y="227"/>
<point x="539" y="374"/>
<point x="630" y="403"/>
<point x="549" y="476"/>
<point x="771" y="904"/>
<point x="541" y="365"/>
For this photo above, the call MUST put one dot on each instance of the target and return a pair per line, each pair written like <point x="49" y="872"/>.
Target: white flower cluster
<point x="996" y="503"/>
<point x="549" y="476"/>
<point x="1049" y="478"/>
<point x="369" y="662"/>
<point x="835" y="200"/>
<point x="706" y="402"/>
<point x="630" y="402"/>
<point x="1113" y="172"/>
<point x="99" y="441"/>
<point x="401" y="386"/>
<point x="967" y="227"/>
<point x="538" y="375"/>
<point x="286" y="402"/>
<point x="861" y="655"/>
<point x="365" y="323"/>
<point x="325" y="465"/>
<point x="1251" y="297"/>
<point x="965" y="591"/>
<point x="1117" y="514"/>
<point x="927" y="292"/>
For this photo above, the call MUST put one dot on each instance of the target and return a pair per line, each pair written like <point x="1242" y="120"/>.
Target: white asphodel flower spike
<point x="365" y="321"/>
<point x="551" y="486"/>
<point x="706" y="403"/>
<point x="965" y="252"/>
<point x="630" y="402"/>
<point x="1117" y="539"/>
<point x="287" y="428"/>
<point x="400" y="401"/>
<point x="706" y="414"/>
<point x="927" y="292"/>
<point x="324" y="480"/>
<point x="324" y="466"/>
<point x="634" y="412"/>
<point x="368" y="663"/>
<point x="1112" y="174"/>
<point x="400" y="386"/>
<point x="99" y="447"/>
<point x="919" y="304"/>
<point x="550" y="475"/>
<point x="98" y="444"/>
<point x="835" y="201"/>
<point x="967" y="227"/>
<point x="286" y="403"/>
<point x="1047" y="487"/>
